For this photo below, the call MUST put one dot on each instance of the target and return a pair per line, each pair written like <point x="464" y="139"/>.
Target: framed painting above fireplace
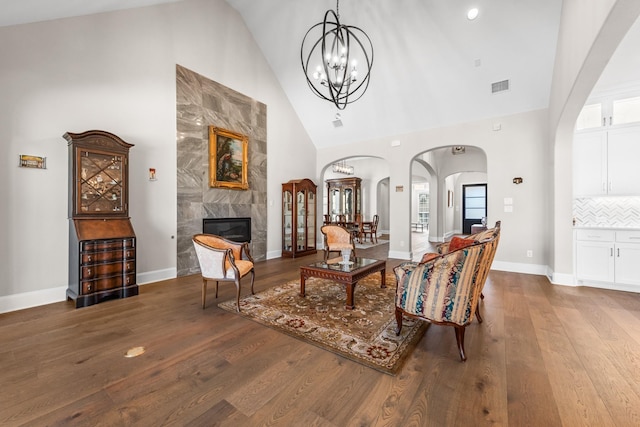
<point x="228" y="159"/>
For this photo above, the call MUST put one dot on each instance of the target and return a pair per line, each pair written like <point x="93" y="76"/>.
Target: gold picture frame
<point x="228" y="159"/>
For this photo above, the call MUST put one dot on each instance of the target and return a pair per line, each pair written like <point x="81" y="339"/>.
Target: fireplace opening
<point x="235" y="229"/>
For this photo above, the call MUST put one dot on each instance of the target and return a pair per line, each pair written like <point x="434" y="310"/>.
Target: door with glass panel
<point x="474" y="205"/>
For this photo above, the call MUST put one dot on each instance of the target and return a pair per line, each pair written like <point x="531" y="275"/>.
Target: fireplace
<point x="235" y="229"/>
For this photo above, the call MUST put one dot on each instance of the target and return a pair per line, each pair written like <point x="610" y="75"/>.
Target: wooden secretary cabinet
<point x="344" y="198"/>
<point x="102" y="243"/>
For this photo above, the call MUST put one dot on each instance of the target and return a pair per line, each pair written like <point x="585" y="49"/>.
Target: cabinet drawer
<point x="596" y="235"/>
<point x="105" y="284"/>
<point x="110" y="269"/>
<point x="628" y="236"/>
<point x="105" y="245"/>
<point x="106" y="256"/>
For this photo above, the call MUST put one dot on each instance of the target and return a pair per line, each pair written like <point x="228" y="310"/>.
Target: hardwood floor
<point x="545" y="356"/>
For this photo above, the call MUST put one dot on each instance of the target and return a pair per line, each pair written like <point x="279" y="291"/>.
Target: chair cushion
<point x="244" y="267"/>
<point x="459" y="243"/>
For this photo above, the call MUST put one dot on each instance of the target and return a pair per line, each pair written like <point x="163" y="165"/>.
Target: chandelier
<point x="332" y="73"/>
<point x="342" y="167"/>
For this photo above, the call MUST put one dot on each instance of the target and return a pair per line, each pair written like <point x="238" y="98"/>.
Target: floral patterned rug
<point x="365" y="335"/>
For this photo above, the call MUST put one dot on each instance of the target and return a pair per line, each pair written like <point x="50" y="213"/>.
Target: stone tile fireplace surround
<point x="202" y="102"/>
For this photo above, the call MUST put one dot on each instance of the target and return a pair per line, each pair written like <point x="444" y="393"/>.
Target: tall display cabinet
<point x="299" y="218"/>
<point x="344" y="198"/>
<point x="102" y="243"/>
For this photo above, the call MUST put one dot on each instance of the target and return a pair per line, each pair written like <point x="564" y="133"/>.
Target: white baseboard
<point x="274" y="254"/>
<point x="32" y="299"/>
<point x="607" y="285"/>
<point x="48" y="296"/>
<point x="537" y="269"/>
<point x="561" y="278"/>
<point x="156" y="276"/>
<point x="400" y="255"/>
<point x="518" y="267"/>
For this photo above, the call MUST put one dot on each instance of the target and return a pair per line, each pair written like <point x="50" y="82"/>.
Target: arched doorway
<point x="441" y="173"/>
<point x="373" y="173"/>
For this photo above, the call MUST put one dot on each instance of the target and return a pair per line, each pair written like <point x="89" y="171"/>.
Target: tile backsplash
<point x="607" y="211"/>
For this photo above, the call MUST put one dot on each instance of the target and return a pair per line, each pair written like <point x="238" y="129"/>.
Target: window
<point x="423" y="208"/>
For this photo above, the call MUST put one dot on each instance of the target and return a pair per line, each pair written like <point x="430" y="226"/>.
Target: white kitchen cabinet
<point x="590" y="163"/>
<point x="608" y="256"/>
<point x="627" y="257"/>
<point x="623" y="151"/>
<point x="594" y="255"/>
<point x="605" y="162"/>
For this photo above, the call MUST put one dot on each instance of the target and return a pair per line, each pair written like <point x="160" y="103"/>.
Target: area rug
<point x="367" y="245"/>
<point x="365" y="335"/>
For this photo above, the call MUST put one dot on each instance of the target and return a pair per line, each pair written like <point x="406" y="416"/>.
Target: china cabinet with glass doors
<point x="102" y="243"/>
<point x="299" y="218"/>
<point x="344" y="198"/>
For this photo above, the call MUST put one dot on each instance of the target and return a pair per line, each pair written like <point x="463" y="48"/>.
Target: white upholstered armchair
<point x="223" y="261"/>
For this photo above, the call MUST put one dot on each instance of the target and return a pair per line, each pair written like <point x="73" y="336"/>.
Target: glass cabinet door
<point x="100" y="183"/>
<point x="348" y="204"/>
<point x="311" y="220"/>
<point x="300" y="220"/>
<point x="336" y="208"/>
<point x="287" y="215"/>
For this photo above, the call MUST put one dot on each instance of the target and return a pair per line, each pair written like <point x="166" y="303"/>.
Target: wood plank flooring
<point x="545" y="356"/>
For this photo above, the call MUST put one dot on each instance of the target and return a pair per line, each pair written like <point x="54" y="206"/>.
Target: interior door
<point x="474" y="205"/>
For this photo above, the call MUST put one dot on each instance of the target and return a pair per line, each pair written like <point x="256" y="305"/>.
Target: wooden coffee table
<point x="347" y="274"/>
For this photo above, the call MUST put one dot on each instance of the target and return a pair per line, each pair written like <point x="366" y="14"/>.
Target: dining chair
<point x="371" y="229"/>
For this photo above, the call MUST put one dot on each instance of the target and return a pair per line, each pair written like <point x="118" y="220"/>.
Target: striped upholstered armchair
<point x="445" y="288"/>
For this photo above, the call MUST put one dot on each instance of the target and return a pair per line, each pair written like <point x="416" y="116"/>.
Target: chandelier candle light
<point x="337" y="49"/>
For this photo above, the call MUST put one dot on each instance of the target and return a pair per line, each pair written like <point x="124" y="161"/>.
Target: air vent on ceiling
<point x="500" y="86"/>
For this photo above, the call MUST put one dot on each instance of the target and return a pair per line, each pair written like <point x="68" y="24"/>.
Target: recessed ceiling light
<point x="472" y="14"/>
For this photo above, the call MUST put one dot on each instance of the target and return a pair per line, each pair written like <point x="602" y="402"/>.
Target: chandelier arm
<point x="335" y="32"/>
<point x="369" y="61"/>
<point x="305" y="65"/>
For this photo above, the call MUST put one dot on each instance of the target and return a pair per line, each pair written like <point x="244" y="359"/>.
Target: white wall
<point x="116" y="72"/>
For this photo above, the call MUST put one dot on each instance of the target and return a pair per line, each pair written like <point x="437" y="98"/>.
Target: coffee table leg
<point x="350" y="291"/>
<point x="302" y="280"/>
<point x="383" y="279"/>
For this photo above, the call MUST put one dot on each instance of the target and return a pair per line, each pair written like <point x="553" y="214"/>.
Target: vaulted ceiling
<point x="432" y="66"/>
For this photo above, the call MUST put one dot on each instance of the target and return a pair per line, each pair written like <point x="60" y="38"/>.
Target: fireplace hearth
<point x="235" y="229"/>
